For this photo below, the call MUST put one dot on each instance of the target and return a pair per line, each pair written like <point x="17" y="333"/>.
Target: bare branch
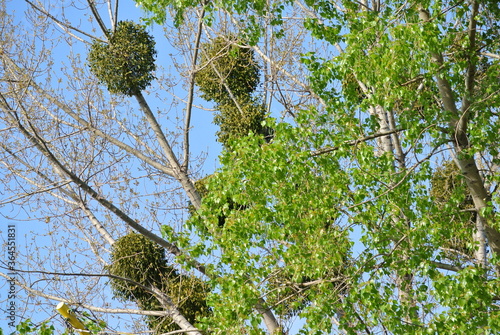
<point x="356" y="142"/>
<point x="63" y="24"/>
<point x="189" y="104"/>
<point x="87" y="125"/>
<point x="40" y="143"/>
<point x="98" y="18"/>
<point x="86" y="306"/>
<point x="171" y="309"/>
<point x="75" y="200"/>
<point x="179" y="173"/>
<point x="489" y="54"/>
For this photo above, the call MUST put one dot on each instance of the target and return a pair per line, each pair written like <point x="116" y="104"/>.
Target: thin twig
<point x="355" y="142"/>
<point x="59" y="22"/>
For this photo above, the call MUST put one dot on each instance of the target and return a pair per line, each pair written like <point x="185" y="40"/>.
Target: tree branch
<point x="189" y="104"/>
<point x="59" y="22"/>
<point x="178" y="172"/>
<point x="170" y="308"/>
<point x="75" y="200"/>
<point x="489" y="54"/>
<point x="356" y="142"/>
<point x="98" y="18"/>
<point x="87" y="125"/>
<point x="86" y="306"/>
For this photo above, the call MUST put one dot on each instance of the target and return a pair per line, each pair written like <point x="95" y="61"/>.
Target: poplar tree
<point x="373" y="209"/>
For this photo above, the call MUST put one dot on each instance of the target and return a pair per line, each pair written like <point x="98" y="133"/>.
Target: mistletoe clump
<point x="450" y="193"/>
<point x="229" y="77"/>
<point x="237" y="122"/>
<point x="137" y="258"/>
<point x="125" y="64"/>
<point x="227" y="65"/>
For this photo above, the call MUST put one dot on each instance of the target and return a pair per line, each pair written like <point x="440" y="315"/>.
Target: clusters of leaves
<point x="284" y="217"/>
<point x="287" y="295"/>
<point x="351" y="86"/>
<point x="137" y="258"/>
<point x="27" y="327"/>
<point x="229" y="77"/>
<point x="225" y="207"/>
<point x="288" y="290"/>
<point x="125" y="64"/>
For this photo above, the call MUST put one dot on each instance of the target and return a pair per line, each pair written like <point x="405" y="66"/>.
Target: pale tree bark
<point x="385" y="143"/>
<point x="480" y="237"/>
<point x="189" y="102"/>
<point x="458" y="128"/>
<point x="178" y="171"/>
<point x="390" y="144"/>
<point x="42" y="146"/>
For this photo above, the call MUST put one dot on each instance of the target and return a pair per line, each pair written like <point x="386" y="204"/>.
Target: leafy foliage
<point x="350" y="85"/>
<point x="403" y="212"/>
<point x="222" y="210"/>
<point x="27" y="327"/>
<point x="283" y="226"/>
<point x="125" y="64"/>
<point x="289" y="294"/>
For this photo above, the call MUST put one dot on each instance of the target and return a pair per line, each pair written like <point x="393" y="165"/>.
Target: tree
<point x="351" y="212"/>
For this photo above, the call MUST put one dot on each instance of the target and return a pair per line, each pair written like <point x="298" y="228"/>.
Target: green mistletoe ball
<point x="227" y="63"/>
<point x="125" y="64"/>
